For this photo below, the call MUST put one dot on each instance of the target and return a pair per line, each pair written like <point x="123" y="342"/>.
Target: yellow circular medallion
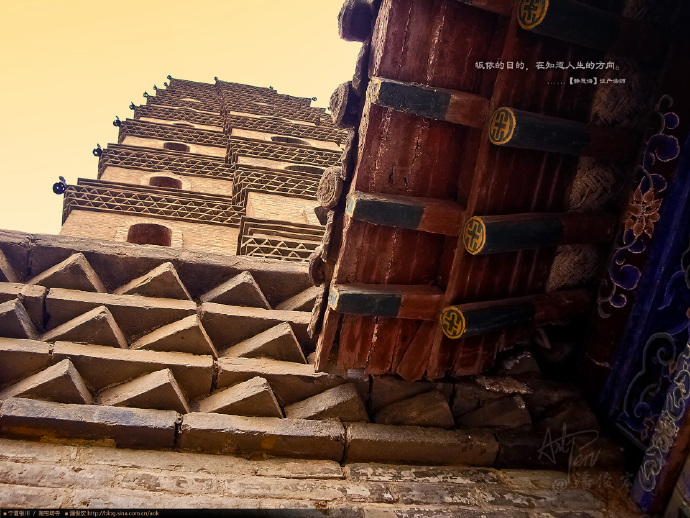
<point x="532" y="12"/>
<point x="502" y="126"/>
<point x="452" y="322"/>
<point x="474" y="235"/>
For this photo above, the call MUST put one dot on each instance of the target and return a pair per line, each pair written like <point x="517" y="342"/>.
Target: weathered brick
<point x="253" y="397"/>
<point x="60" y="383"/>
<point x="432" y="474"/>
<point x="298" y="468"/>
<point x="229" y="325"/>
<point x="15" y="322"/>
<point x="277" y="343"/>
<point x="389" y="389"/>
<point x="14" y="496"/>
<point x="158" y="390"/>
<point x="103" y="367"/>
<point x="241" y="290"/>
<point x="341" y="402"/>
<point x="162" y="282"/>
<point x="74" y="273"/>
<point x="303" y="301"/>
<point x="136" y="315"/>
<point x="291" y="382"/>
<point x="19" y="358"/>
<point x="505" y="412"/>
<point x="417" y="445"/>
<point x="186" y="336"/>
<point x="128" y="427"/>
<point x="31" y="298"/>
<point x="96" y="326"/>
<point x="220" y="433"/>
<point x="427" y="409"/>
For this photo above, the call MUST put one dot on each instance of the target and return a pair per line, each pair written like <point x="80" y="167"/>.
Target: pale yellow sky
<point x="69" y="67"/>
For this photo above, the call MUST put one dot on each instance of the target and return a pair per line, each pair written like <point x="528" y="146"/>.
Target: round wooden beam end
<point x="474" y="235"/>
<point x="502" y="126"/>
<point x="330" y="188"/>
<point x="452" y="322"/>
<point x="531" y="13"/>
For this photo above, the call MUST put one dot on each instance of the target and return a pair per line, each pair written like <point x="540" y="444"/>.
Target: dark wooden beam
<point x="526" y="130"/>
<point x="465" y="320"/>
<point x="495" y="234"/>
<point x="502" y="7"/>
<point x="425" y="214"/>
<point x="581" y="24"/>
<point x="386" y="300"/>
<point x="435" y="103"/>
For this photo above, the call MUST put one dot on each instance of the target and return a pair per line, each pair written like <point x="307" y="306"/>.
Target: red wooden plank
<point x="416" y="358"/>
<point x="324" y="345"/>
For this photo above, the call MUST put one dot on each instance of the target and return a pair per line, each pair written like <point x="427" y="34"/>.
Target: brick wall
<point x="191" y="183"/>
<point x="217" y="239"/>
<point x="80" y="475"/>
<point x="171" y="122"/>
<point x="158" y="144"/>
<point x="260" y="135"/>
<point x="281" y="208"/>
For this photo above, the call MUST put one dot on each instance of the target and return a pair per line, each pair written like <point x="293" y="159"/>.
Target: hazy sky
<point x="69" y="67"/>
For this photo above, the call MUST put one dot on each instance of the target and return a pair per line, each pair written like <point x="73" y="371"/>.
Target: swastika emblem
<point x="452" y="322"/>
<point x="532" y="12"/>
<point x="502" y="126"/>
<point x="474" y="236"/>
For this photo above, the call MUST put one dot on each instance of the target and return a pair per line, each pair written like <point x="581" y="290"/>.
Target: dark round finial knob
<point x="169" y="77"/>
<point x="117" y="122"/>
<point x="60" y="187"/>
<point x="131" y="106"/>
<point x="146" y="94"/>
<point x="97" y="150"/>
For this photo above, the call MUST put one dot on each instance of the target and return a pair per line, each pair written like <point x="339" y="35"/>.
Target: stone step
<point x="427" y="409"/>
<point x="186" y="335"/>
<point x="161" y="282"/>
<point x="20" y="358"/>
<point x="389" y="389"/>
<point x="103" y="367"/>
<point x="60" y="383"/>
<point x="291" y="382"/>
<point x="31" y="297"/>
<point x="158" y="390"/>
<point x="277" y="343"/>
<point x="127" y="427"/>
<point x="229" y="325"/>
<point x="303" y="301"/>
<point x="241" y="290"/>
<point x="93" y="327"/>
<point x="136" y="315"/>
<point x="218" y="433"/>
<point x="341" y="402"/>
<point x="15" y="322"/>
<point x="253" y="397"/>
<point x="74" y="273"/>
<point x="419" y="445"/>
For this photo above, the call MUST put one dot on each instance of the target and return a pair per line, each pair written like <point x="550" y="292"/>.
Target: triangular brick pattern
<point x="15" y="322"/>
<point x="186" y="335"/>
<point x="93" y="327"/>
<point x="163" y="281"/>
<point x="277" y="343"/>
<point x="158" y="390"/>
<point x="241" y="290"/>
<point x="74" y="273"/>
<point x="303" y="301"/>
<point x="60" y="383"/>
<point x="253" y="397"/>
<point x="7" y="271"/>
<point x="341" y="402"/>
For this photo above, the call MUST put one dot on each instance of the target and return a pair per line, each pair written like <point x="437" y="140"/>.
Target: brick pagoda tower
<point x="224" y="168"/>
